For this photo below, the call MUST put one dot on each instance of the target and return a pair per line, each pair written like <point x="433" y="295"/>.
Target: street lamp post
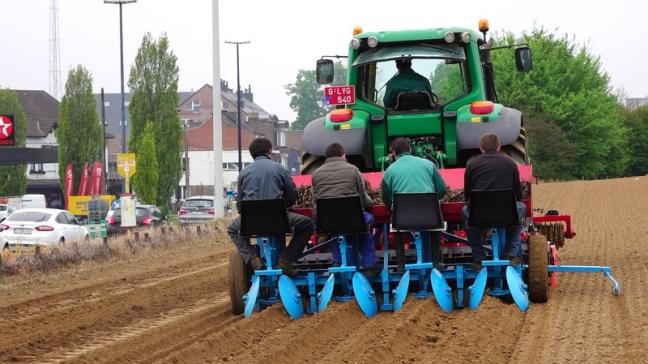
<point x="121" y="61"/>
<point x="238" y="102"/>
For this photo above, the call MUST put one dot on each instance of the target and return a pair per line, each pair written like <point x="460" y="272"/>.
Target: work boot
<point x="370" y="272"/>
<point x="257" y="263"/>
<point x="513" y="261"/>
<point x="287" y="268"/>
<point x="476" y="265"/>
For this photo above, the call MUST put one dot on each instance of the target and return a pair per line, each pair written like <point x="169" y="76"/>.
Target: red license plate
<point x="340" y="95"/>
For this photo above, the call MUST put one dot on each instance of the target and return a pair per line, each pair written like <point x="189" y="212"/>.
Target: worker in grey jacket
<point x="338" y="178"/>
<point x="267" y="179"/>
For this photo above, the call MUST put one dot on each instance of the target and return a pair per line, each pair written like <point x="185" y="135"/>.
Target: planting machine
<point x="445" y="128"/>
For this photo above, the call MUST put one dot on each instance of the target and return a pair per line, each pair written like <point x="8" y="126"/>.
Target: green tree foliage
<point x="79" y="132"/>
<point x="307" y="96"/>
<point x="146" y="178"/>
<point x="153" y="83"/>
<point x="13" y="179"/>
<point x="566" y="88"/>
<point x="637" y="123"/>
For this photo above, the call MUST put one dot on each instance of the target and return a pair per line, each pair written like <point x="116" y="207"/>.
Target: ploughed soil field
<point x="171" y="304"/>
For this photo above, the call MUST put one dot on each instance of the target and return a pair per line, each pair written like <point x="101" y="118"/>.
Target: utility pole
<point x="238" y="102"/>
<point x="219" y="198"/>
<point x="104" y="157"/>
<point x="186" y="162"/>
<point x="121" y="60"/>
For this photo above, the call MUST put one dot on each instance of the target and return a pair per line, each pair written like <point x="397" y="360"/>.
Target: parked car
<point x="32" y="227"/>
<point x="5" y="210"/>
<point x="145" y="215"/>
<point x="34" y="201"/>
<point x="197" y="209"/>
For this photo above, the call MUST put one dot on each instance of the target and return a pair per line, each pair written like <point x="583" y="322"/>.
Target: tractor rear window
<point x="446" y="75"/>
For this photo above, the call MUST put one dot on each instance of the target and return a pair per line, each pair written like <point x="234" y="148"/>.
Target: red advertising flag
<point x="69" y="183"/>
<point x="83" y="185"/>
<point x="96" y="178"/>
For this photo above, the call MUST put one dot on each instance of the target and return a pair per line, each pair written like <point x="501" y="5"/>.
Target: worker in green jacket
<point x="410" y="174"/>
<point x="406" y="80"/>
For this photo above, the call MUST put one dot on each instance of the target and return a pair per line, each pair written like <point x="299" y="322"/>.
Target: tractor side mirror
<point x="523" y="60"/>
<point x="324" y="71"/>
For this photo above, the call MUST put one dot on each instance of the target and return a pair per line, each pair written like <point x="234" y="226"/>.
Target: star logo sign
<point x="6" y="127"/>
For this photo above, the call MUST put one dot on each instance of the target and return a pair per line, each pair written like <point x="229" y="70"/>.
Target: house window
<point x="281" y="138"/>
<point x="195" y="105"/>
<point x="284" y="160"/>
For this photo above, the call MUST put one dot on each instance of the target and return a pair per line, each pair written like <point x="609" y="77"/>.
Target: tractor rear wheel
<point x="239" y="282"/>
<point x="518" y="149"/>
<point x="538" y="271"/>
<point x="311" y="162"/>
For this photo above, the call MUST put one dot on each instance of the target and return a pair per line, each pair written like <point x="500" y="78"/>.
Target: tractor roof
<point x="420" y="34"/>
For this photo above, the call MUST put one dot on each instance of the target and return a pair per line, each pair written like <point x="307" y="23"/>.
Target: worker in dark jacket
<point x="267" y="179"/>
<point x="338" y="178"/>
<point x="406" y="80"/>
<point x="410" y="174"/>
<point x="492" y="170"/>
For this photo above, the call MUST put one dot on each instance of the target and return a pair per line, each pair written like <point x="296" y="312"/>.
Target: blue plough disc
<point x="400" y="293"/>
<point x="477" y="289"/>
<point x="290" y="297"/>
<point x="324" y="296"/>
<point x="518" y="288"/>
<point x="442" y="292"/>
<point x="364" y="295"/>
<point x="252" y="296"/>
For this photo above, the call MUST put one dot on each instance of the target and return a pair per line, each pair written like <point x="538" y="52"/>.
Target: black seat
<point x="340" y="215"/>
<point x="417" y="212"/>
<point x="264" y="218"/>
<point x="493" y="209"/>
<point x="414" y="100"/>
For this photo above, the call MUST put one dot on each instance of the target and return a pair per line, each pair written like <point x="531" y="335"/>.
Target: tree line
<point x="576" y="124"/>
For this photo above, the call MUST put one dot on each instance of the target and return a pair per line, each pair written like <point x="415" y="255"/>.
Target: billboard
<point x="7" y="131"/>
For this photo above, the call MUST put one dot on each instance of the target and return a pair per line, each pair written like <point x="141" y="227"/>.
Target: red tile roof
<point x="201" y="138"/>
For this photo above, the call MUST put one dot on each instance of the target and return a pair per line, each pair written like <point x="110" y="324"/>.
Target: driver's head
<point x="403" y="63"/>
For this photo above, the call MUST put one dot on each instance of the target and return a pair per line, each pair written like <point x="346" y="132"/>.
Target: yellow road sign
<point x="78" y="205"/>
<point x="126" y="164"/>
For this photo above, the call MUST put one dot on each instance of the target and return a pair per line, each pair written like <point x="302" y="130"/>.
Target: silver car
<point x="197" y="209"/>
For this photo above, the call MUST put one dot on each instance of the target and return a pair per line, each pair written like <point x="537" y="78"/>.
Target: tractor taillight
<point x="341" y="115"/>
<point x="482" y="107"/>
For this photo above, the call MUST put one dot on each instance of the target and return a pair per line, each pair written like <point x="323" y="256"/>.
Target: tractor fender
<point x="317" y="137"/>
<point x="506" y="127"/>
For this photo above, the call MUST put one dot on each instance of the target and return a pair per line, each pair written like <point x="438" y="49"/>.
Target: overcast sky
<point x="290" y="35"/>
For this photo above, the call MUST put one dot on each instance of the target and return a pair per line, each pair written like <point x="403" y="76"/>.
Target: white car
<point x="5" y="210"/>
<point x="31" y="227"/>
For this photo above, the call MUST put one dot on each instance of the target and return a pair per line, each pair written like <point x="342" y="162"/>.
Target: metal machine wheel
<point x="538" y="273"/>
<point x="239" y="282"/>
<point x="311" y="162"/>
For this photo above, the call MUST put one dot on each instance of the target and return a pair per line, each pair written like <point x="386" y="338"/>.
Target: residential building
<point x="41" y="112"/>
<point x="632" y="103"/>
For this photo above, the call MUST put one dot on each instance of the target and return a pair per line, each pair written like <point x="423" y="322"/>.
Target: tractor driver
<point x="405" y="80"/>
<point x="267" y="179"/>
<point x="492" y="170"/>
<point x="339" y="178"/>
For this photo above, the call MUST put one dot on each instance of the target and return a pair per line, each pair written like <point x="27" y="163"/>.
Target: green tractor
<point x="443" y="125"/>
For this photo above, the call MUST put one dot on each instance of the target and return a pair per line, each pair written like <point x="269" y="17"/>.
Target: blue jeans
<point x="366" y="246"/>
<point x="512" y="247"/>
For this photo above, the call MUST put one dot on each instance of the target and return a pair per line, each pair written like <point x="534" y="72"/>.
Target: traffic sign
<point x="126" y="164"/>
<point x="340" y="95"/>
